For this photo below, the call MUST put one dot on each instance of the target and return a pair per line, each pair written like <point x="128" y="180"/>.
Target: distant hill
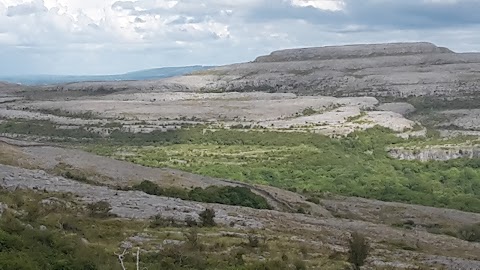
<point x="148" y="74"/>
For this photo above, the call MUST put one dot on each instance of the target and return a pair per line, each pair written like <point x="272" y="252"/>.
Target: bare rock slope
<point x="395" y="70"/>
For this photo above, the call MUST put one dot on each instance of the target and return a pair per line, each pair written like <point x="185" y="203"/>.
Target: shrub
<point x="314" y="200"/>
<point x="270" y="265"/>
<point x="190" y="222"/>
<point x="359" y="249"/>
<point x="207" y="218"/>
<point x="99" y="209"/>
<point x="34" y="211"/>
<point x="299" y="264"/>
<point x="470" y="233"/>
<point x="149" y="188"/>
<point x="49" y="250"/>
<point x="240" y="196"/>
<point x="191" y="238"/>
<point x="175" y="257"/>
<point x="160" y="222"/>
<point x="253" y="241"/>
<point x="238" y="256"/>
<point x="309" y="111"/>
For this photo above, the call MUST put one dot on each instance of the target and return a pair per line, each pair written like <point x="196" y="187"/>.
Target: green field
<point x="357" y="165"/>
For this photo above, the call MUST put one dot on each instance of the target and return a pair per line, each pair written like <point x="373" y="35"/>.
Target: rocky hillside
<point x="6" y="89"/>
<point x="400" y="236"/>
<point x="393" y="70"/>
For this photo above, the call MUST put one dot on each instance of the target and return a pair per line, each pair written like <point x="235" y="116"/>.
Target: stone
<point x="3" y="208"/>
<point x="173" y="242"/>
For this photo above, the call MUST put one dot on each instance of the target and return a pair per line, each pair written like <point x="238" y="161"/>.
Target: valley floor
<point x="114" y="171"/>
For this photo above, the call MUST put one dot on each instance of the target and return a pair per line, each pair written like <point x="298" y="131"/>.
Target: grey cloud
<point x="405" y="14"/>
<point x="26" y="9"/>
<point x="414" y="13"/>
<point x="139" y="20"/>
<point x="185" y="20"/>
<point x="124" y="5"/>
<point x="255" y="27"/>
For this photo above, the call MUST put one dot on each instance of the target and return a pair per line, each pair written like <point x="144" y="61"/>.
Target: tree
<point x="207" y="217"/>
<point x="359" y="249"/>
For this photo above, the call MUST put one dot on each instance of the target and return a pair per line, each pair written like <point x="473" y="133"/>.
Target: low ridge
<point x="352" y="51"/>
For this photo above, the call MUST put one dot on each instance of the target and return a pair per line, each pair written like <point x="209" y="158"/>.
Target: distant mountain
<point x="148" y="74"/>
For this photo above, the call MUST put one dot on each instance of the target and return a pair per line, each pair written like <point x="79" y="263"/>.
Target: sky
<point x="109" y="37"/>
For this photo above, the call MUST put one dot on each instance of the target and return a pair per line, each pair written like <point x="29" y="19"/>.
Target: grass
<point x="9" y="155"/>
<point x="63" y="113"/>
<point x="357" y="165"/>
<point x="39" y="128"/>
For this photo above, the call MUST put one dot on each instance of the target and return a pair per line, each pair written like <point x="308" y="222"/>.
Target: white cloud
<point x="332" y="5"/>
<point x="108" y="36"/>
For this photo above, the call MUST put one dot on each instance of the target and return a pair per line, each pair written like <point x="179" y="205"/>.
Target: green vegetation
<point x="41" y="230"/>
<point x="356" y="118"/>
<point x="26" y="248"/>
<point x="62" y="113"/>
<point x="240" y="196"/>
<point x="207" y="217"/>
<point x="470" y="233"/>
<point x="357" y="165"/>
<point x="45" y="129"/>
<point x="309" y="111"/>
<point x="24" y="244"/>
<point x="427" y="103"/>
<point x="359" y="250"/>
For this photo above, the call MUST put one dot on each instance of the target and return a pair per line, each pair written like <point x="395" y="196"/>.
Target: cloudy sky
<point x="109" y="36"/>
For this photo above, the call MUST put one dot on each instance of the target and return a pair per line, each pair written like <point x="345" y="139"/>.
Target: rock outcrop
<point x="352" y="51"/>
<point x="7" y="89"/>
<point x="439" y="153"/>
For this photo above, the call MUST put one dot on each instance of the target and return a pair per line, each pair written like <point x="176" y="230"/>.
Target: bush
<point x="299" y="265"/>
<point x="190" y="222"/>
<point x="359" y="250"/>
<point x="355" y="165"/>
<point x="309" y="111"/>
<point x="270" y="265"/>
<point x="177" y="257"/>
<point x="191" y="238"/>
<point x="99" y="209"/>
<point x="470" y="233"/>
<point x="240" y="196"/>
<point x="160" y="222"/>
<point x="253" y="241"/>
<point x="207" y="218"/>
<point x="35" y="249"/>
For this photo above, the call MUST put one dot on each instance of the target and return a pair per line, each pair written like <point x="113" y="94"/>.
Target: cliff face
<point x="436" y="153"/>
